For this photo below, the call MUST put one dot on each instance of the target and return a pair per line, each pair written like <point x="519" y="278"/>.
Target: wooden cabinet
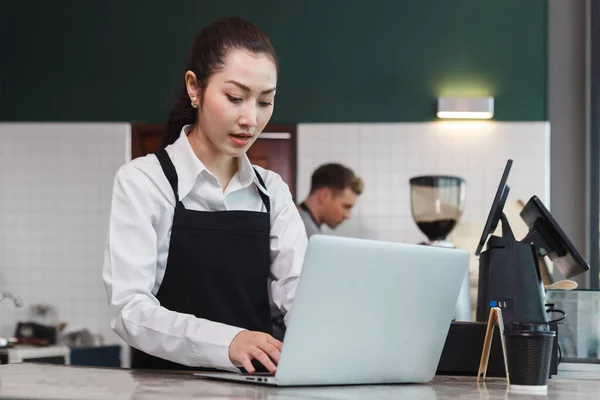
<point x="275" y="149"/>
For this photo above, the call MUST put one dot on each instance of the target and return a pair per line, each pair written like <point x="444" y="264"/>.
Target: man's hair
<point x="336" y="177"/>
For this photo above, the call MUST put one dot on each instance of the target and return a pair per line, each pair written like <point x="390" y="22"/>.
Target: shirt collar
<point x="247" y="175"/>
<point x="189" y="167"/>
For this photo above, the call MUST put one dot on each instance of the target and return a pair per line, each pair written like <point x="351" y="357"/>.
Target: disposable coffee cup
<point x="529" y="354"/>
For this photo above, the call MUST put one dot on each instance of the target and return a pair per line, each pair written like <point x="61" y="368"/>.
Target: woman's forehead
<point x="255" y="71"/>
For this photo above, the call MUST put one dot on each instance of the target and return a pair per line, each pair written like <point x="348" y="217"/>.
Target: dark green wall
<point x="341" y="61"/>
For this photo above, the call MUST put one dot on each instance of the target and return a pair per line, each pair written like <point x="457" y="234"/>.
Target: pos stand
<point x="509" y="275"/>
<point x="510" y="281"/>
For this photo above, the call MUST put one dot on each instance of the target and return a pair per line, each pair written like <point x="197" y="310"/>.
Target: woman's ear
<point x="193" y="89"/>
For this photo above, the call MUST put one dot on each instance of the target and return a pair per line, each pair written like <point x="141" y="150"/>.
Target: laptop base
<point x="258" y="378"/>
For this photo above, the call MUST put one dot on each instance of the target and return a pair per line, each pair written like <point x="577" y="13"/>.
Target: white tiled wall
<point x="55" y="189"/>
<point x="386" y="156"/>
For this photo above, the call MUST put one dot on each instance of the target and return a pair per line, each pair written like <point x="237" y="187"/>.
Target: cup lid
<point x="530" y="329"/>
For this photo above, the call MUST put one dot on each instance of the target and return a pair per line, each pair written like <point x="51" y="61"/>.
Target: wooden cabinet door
<point x="145" y="138"/>
<point x="275" y="149"/>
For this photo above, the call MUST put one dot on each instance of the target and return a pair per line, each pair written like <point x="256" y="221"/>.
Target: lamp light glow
<point x="465" y="107"/>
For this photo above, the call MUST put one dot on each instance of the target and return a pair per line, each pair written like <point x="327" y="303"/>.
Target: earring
<point x="194" y="99"/>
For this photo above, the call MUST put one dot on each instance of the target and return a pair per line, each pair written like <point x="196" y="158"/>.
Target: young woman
<point x="196" y="231"/>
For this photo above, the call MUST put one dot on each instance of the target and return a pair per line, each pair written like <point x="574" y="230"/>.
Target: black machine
<point x="509" y="278"/>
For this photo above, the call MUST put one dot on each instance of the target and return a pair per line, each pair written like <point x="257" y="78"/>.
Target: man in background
<point x="333" y="192"/>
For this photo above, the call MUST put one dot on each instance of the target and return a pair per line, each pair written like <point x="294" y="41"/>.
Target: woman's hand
<point x="249" y="345"/>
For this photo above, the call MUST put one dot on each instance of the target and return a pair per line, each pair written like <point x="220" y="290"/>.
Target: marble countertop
<point x="45" y="381"/>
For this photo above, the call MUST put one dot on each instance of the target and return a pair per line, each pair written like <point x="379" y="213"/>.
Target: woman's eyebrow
<point x="247" y="89"/>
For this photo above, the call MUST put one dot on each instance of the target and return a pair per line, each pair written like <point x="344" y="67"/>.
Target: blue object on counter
<point x="97" y="356"/>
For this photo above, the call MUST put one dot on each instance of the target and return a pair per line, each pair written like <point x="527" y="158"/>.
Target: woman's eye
<point x="234" y="99"/>
<point x="264" y="104"/>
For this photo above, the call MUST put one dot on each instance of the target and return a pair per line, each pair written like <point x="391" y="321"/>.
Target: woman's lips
<point x="240" y="140"/>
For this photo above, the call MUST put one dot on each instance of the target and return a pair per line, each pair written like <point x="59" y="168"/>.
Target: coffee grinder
<point x="437" y="203"/>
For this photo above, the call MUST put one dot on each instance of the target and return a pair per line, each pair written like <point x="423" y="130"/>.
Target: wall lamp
<point x="465" y="107"/>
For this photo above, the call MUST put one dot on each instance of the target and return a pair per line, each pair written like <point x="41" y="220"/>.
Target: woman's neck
<point x="222" y="166"/>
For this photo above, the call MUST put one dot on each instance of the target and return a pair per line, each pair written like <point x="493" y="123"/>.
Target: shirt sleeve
<point x="129" y="275"/>
<point x="288" y="245"/>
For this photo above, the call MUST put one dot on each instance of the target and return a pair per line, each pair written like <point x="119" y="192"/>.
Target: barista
<point x="196" y="231"/>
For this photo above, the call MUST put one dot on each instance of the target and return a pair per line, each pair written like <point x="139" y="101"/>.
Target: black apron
<point x="217" y="268"/>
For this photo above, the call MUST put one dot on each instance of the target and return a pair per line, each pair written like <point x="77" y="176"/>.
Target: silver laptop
<point x="367" y="312"/>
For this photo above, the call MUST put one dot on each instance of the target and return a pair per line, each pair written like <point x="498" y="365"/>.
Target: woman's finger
<point x="271" y="351"/>
<point x="247" y="364"/>
<point x="264" y="360"/>
<point x="278" y="345"/>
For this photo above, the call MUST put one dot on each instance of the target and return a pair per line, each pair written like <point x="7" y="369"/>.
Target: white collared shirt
<point x="142" y="209"/>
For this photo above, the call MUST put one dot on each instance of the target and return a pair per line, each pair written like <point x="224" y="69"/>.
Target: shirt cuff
<point x="217" y="352"/>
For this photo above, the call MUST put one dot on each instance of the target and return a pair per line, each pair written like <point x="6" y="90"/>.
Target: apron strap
<point x="263" y="196"/>
<point x="169" y="170"/>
